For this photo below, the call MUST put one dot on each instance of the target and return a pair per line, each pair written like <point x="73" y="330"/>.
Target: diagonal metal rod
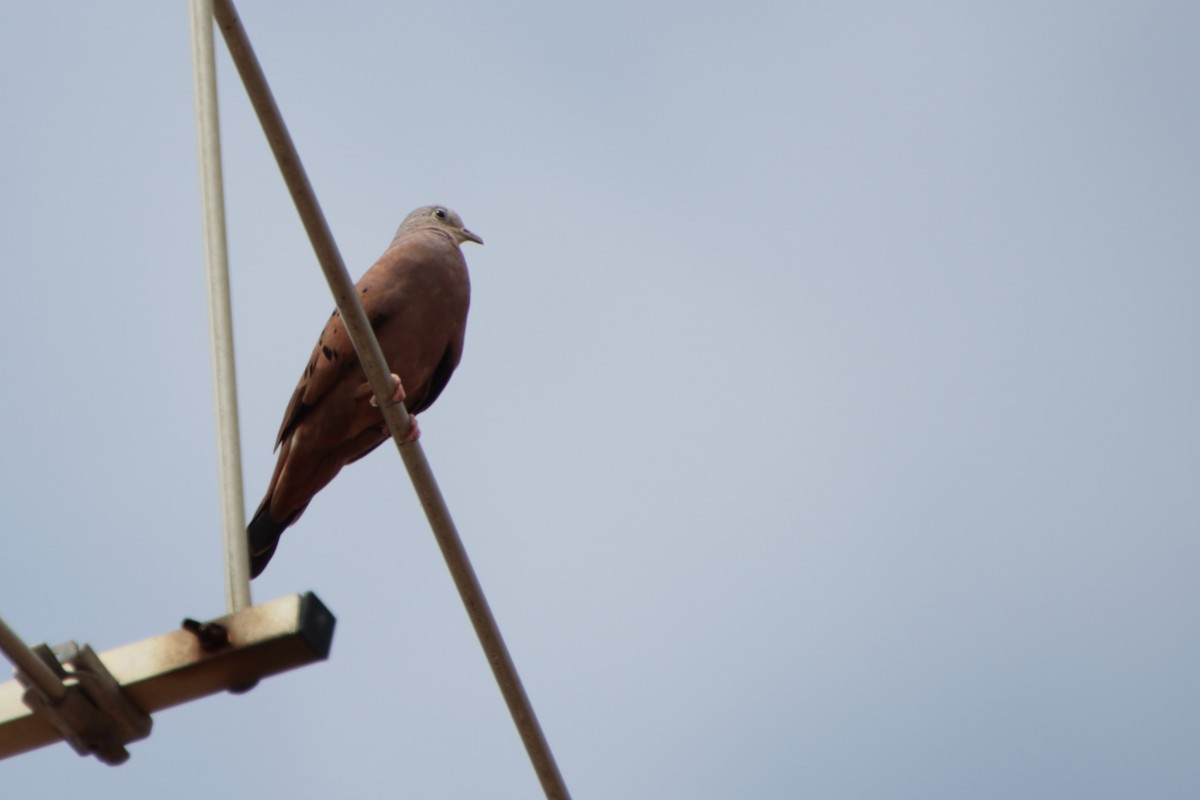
<point x="25" y="660"/>
<point x="395" y="414"/>
<point x="220" y="315"/>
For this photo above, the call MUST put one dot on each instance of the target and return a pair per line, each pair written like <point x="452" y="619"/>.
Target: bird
<point x="416" y="297"/>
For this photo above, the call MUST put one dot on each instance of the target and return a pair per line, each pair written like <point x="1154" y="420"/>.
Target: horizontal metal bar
<point x="173" y="668"/>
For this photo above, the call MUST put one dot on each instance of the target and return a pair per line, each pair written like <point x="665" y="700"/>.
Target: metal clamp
<point x="94" y="715"/>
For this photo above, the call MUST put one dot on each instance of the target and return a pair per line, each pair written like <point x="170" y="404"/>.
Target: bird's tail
<point x="263" y="534"/>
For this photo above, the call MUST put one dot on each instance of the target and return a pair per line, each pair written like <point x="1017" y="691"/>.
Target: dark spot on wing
<point x="329" y="354"/>
<point x="379" y="319"/>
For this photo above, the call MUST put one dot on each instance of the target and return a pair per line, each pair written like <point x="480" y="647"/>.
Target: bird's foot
<point x="414" y="431"/>
<point x="397" y="393"/>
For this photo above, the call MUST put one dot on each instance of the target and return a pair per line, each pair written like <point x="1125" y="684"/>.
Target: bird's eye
<point x="440" y="213"/>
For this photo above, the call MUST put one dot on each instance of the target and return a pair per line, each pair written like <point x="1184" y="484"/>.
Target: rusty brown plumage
<point x="416" y="298"/>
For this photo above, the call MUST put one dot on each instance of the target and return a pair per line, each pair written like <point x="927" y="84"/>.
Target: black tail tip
<point x="263" y="537"/>
<point x="259" y="561"/>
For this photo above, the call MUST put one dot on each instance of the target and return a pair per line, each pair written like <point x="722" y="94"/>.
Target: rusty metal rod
<point x="24" y="659"/>
<point x="395" y="414"/>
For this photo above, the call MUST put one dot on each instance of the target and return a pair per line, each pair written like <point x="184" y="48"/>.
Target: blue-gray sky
<point x="827" y="425"/>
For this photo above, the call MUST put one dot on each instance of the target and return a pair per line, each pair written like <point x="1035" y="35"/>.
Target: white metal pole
<point x="220" y="315"/>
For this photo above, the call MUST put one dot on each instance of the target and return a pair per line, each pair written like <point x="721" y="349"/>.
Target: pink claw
<point x="414" y="432"/>
<point x="397" y="392"/>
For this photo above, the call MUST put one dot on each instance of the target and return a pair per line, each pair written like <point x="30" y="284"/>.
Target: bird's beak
<point x="469" y="237"/>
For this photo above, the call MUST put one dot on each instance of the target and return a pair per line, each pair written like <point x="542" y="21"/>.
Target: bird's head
<point x="438" y="218"/>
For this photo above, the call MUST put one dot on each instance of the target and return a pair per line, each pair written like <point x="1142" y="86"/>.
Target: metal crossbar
<point x="99" y="703"/>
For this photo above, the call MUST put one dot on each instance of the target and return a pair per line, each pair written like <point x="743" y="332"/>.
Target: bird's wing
<point x="441" y="373"/>
<point x="329" y="362"/>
